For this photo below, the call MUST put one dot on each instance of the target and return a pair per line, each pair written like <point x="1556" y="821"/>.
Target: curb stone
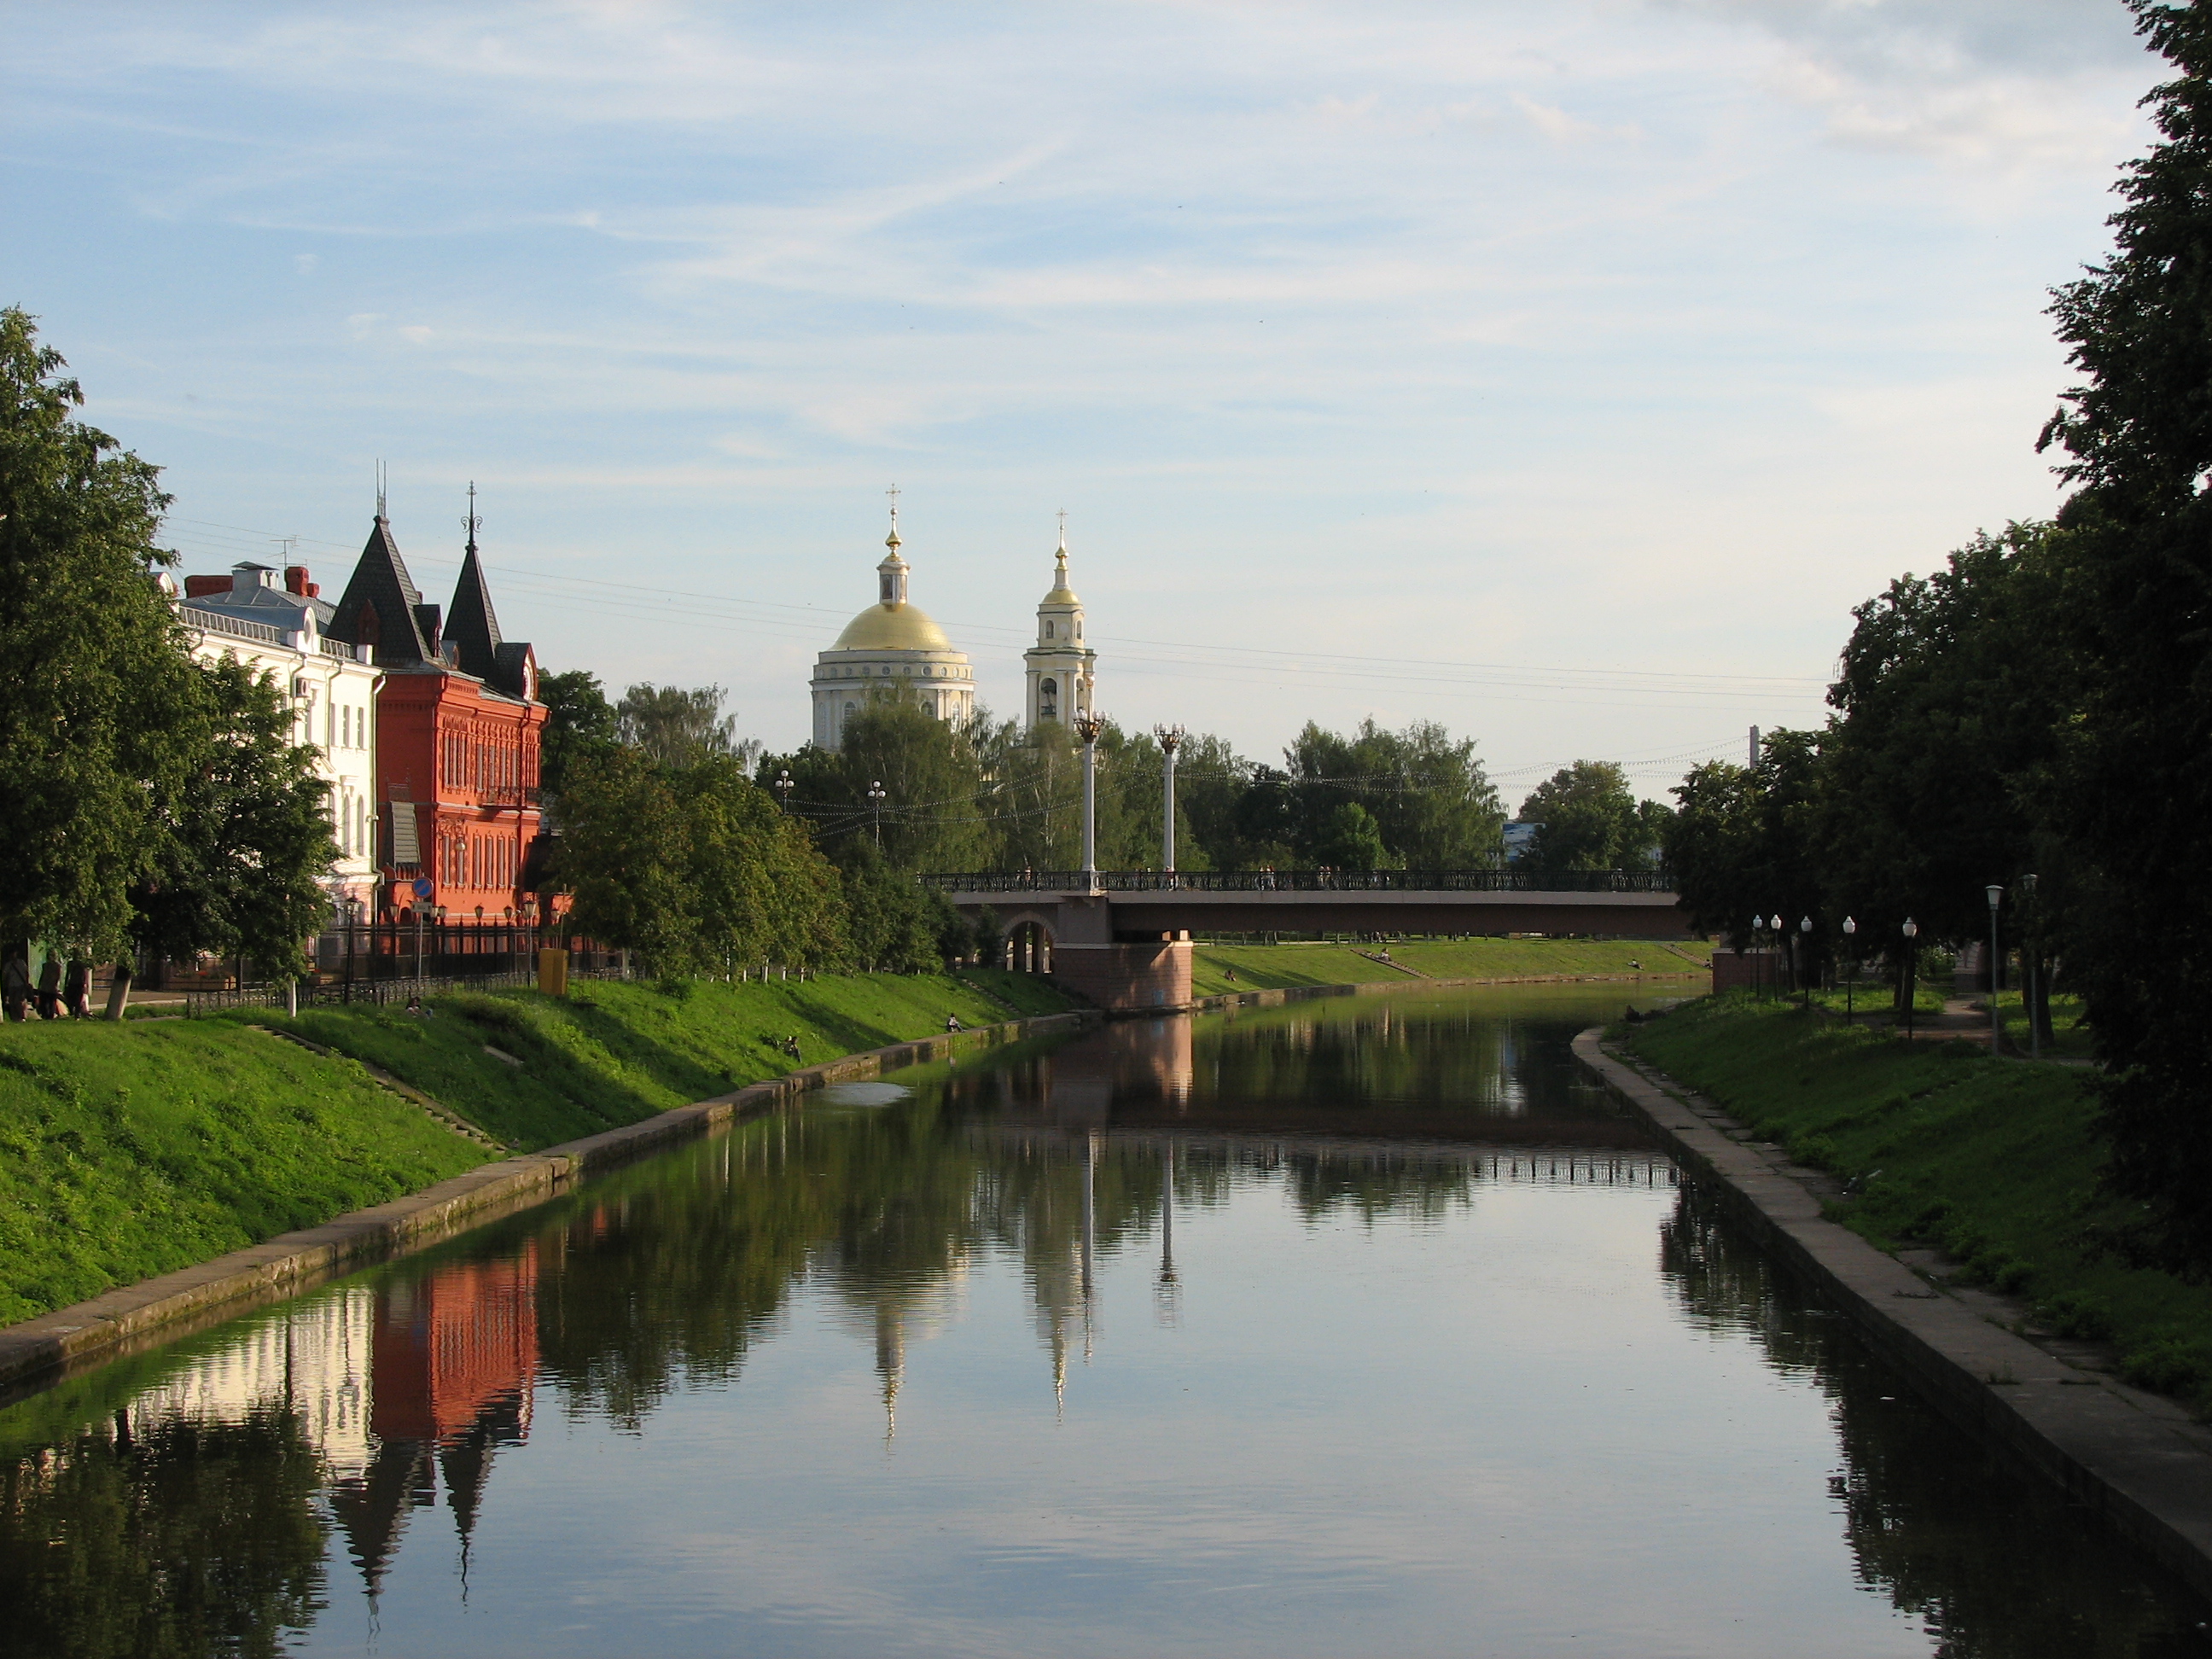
<point x="46" y="1349"/>
<point x="2137" y="1460"/>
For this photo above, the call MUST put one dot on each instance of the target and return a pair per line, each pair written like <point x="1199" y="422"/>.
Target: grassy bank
<point x="129" y="1151"/>
<point x="1272" y="966"/>
<point x="1993" y="1161"/>
<point x="134" y="1149"/>
<point x="611" y="1052"/>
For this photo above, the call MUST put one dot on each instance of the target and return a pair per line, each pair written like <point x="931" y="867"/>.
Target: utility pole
<point x="1170" y="739"/>
<point x="1088" y="725"/>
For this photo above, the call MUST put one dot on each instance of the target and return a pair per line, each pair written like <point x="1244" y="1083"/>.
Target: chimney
<point x="295" y="581"/>
<point x="247" y="577"/>
<point x="199" y="586"/>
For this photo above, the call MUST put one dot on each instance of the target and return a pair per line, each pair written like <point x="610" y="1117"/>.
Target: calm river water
<point x="1359" y="1327"/>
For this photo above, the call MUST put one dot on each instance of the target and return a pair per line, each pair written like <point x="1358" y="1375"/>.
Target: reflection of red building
<point x="454" y="1359"/>
<point x="458" y="723"/>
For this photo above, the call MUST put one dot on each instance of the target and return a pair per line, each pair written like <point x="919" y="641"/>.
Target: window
<point x="1048" y="630"/>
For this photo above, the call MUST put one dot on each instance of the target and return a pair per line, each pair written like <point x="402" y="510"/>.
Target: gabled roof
<point x="379" y="607"/>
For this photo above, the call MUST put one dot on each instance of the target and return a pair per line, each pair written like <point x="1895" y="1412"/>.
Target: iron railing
<point x="1507" y="880"/>
<point x="383" y="993"/>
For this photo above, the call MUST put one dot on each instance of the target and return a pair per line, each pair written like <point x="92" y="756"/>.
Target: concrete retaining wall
<point x="2137" y="1459"/>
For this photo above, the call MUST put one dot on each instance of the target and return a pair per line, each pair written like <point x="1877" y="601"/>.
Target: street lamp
<point x="1912" y="970"/>
<point x="1851" y="978"/>
<point x="1088" y="725"/>
<point x="1170" y="739"/>
<point x="1781" y="946"/>
<point x="1997" y="1019"/>
<point x="783" y="786"/>
<point x="1804" y="943"/>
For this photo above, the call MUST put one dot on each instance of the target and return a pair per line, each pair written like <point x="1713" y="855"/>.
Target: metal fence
<point x="1508" y="880"/>
<point x="381" y="992"/>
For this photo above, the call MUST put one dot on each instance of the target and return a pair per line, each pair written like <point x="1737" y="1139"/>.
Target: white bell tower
<point x="1062" y="667"/>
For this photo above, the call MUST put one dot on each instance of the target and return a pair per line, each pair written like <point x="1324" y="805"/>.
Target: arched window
<point x="1048" y="630"/>
<point x="1047" y="699"/>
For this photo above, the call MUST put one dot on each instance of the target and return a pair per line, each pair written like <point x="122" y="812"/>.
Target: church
<point x="895" y="648"/>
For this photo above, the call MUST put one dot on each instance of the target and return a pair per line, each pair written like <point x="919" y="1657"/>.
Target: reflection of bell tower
<point x="1167" y="1289"/>
<point x="1062" y="667"/>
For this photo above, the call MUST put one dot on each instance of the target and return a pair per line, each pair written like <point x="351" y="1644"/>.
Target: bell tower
<point x="1062" y="668"/>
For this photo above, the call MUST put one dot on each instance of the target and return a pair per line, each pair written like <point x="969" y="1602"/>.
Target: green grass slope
<point x="1994" y="1162"/>
<point x="1270" y="966"/>
<point x="131" y="1150"/>
<point x="613" y="1052"/>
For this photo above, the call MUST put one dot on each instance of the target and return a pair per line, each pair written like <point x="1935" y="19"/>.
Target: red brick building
<point x="458" y="725"/>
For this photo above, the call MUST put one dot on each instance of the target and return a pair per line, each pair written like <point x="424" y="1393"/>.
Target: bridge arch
<point x="1029" y="931"/>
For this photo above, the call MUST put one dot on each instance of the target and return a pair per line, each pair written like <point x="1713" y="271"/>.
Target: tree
<point x="239" y="851"/>
<point x="2135" y="788"/>
<point x="930" y="776"/>
<point x="579" y="721"/>
<point x="94" y="672"/>
<point x="1349" y="840"/>
<point x="678" y="727"/>
<point x="1589" y="819"/>
<point x="1427" y="794"/>
<point x="1745" y="841"/>
<point x="145" y="798"/>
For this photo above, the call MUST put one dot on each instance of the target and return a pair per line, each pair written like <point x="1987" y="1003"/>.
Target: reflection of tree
<point x="180" y="1537"/>
<point x="1983" y="1552"/>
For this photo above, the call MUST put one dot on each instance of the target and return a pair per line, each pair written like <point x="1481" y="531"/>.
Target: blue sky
<point x="1563" y="372"/>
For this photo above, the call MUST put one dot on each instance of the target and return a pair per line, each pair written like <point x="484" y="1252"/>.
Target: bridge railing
<point x="1309" y="881"/>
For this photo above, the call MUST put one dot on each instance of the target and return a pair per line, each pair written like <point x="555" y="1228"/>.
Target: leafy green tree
<point x="625" y="860"/>
<point x="239" y="851"/>
<point x="1745" y="843"/>
<point x="1589" y="820"/>
<point x="1427" y="793"/>
<point x="579" y="720"/>
<point x="94" y="672"/>
<point x="2134" y="792"/>
<point x="678" y="727"/>
<point x="146" y="799"/>
<point x="930" y="774"/>
<point x="1349" y="840"/>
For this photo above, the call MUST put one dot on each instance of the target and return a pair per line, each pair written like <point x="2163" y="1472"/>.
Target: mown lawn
<point x="613" y="1052"/>
<point x="1994" y="1161"/>
<point x="131" y="1150"/>
<point x="1268" y="967"/>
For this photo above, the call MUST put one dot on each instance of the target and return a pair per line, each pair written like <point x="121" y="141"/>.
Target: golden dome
<point x="1062" y="593"/>
<point x="892" y="628"/>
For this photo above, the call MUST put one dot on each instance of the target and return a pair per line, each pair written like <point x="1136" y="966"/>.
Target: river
<point x="1362" y="1326"/>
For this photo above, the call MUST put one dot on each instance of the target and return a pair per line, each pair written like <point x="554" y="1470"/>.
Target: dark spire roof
<point x="381" y="604"/>
<point x="371" y="1509"/>
<point x="472" y="631"/>
<point x="471" y="622"/>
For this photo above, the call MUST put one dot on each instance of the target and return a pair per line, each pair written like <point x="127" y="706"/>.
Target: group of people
<point x="58" y="992"/>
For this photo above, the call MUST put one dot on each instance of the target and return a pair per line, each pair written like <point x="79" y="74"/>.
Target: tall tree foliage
<point x="94" y="675"/>
<point x="1590" y="819"/>
<point x="677" y="727"/>
<point x="1432" y="804"/>
<point x="1744" y="842"/>
<point x="694" y="867"/>
<point x="145" y="798"/>
<point x="579" y="720"/>
<point x="2136" y="795"/>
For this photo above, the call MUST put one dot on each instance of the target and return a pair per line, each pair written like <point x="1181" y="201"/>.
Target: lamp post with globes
<point x="1781" y="953"/>
<point x="1851" y="973"/>
<point x="1804" y="951"/>
<point x="1911" y="971"/>
<point x="783" y="786"/>
<point x="877" y="795"/>
<point x="1996" y="894"/>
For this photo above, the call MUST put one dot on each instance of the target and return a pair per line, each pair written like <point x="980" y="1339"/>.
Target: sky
<point x="1562" y="371"/>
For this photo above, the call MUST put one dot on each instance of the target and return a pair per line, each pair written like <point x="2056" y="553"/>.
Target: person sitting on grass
<point x="952" y="1023"/>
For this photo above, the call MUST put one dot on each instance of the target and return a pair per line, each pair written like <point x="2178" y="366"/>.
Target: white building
<point x="276" y="628"/>
<point x="1062" y="669"/>
<point x="891" y="648"/>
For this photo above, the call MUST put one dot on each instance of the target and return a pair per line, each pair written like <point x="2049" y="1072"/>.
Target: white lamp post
<point x="1170" y="739"/>
<point x="1088" y="725"/>
<point x="1911" y="931"/>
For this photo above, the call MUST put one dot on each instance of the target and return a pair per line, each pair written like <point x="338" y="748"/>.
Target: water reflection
<point x="1132" y="1202"/>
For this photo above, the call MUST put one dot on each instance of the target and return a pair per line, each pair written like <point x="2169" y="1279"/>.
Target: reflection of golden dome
<point x="892" y="628"/>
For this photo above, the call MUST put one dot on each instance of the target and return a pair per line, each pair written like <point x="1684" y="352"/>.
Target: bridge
<point x="1121" y="938"/>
